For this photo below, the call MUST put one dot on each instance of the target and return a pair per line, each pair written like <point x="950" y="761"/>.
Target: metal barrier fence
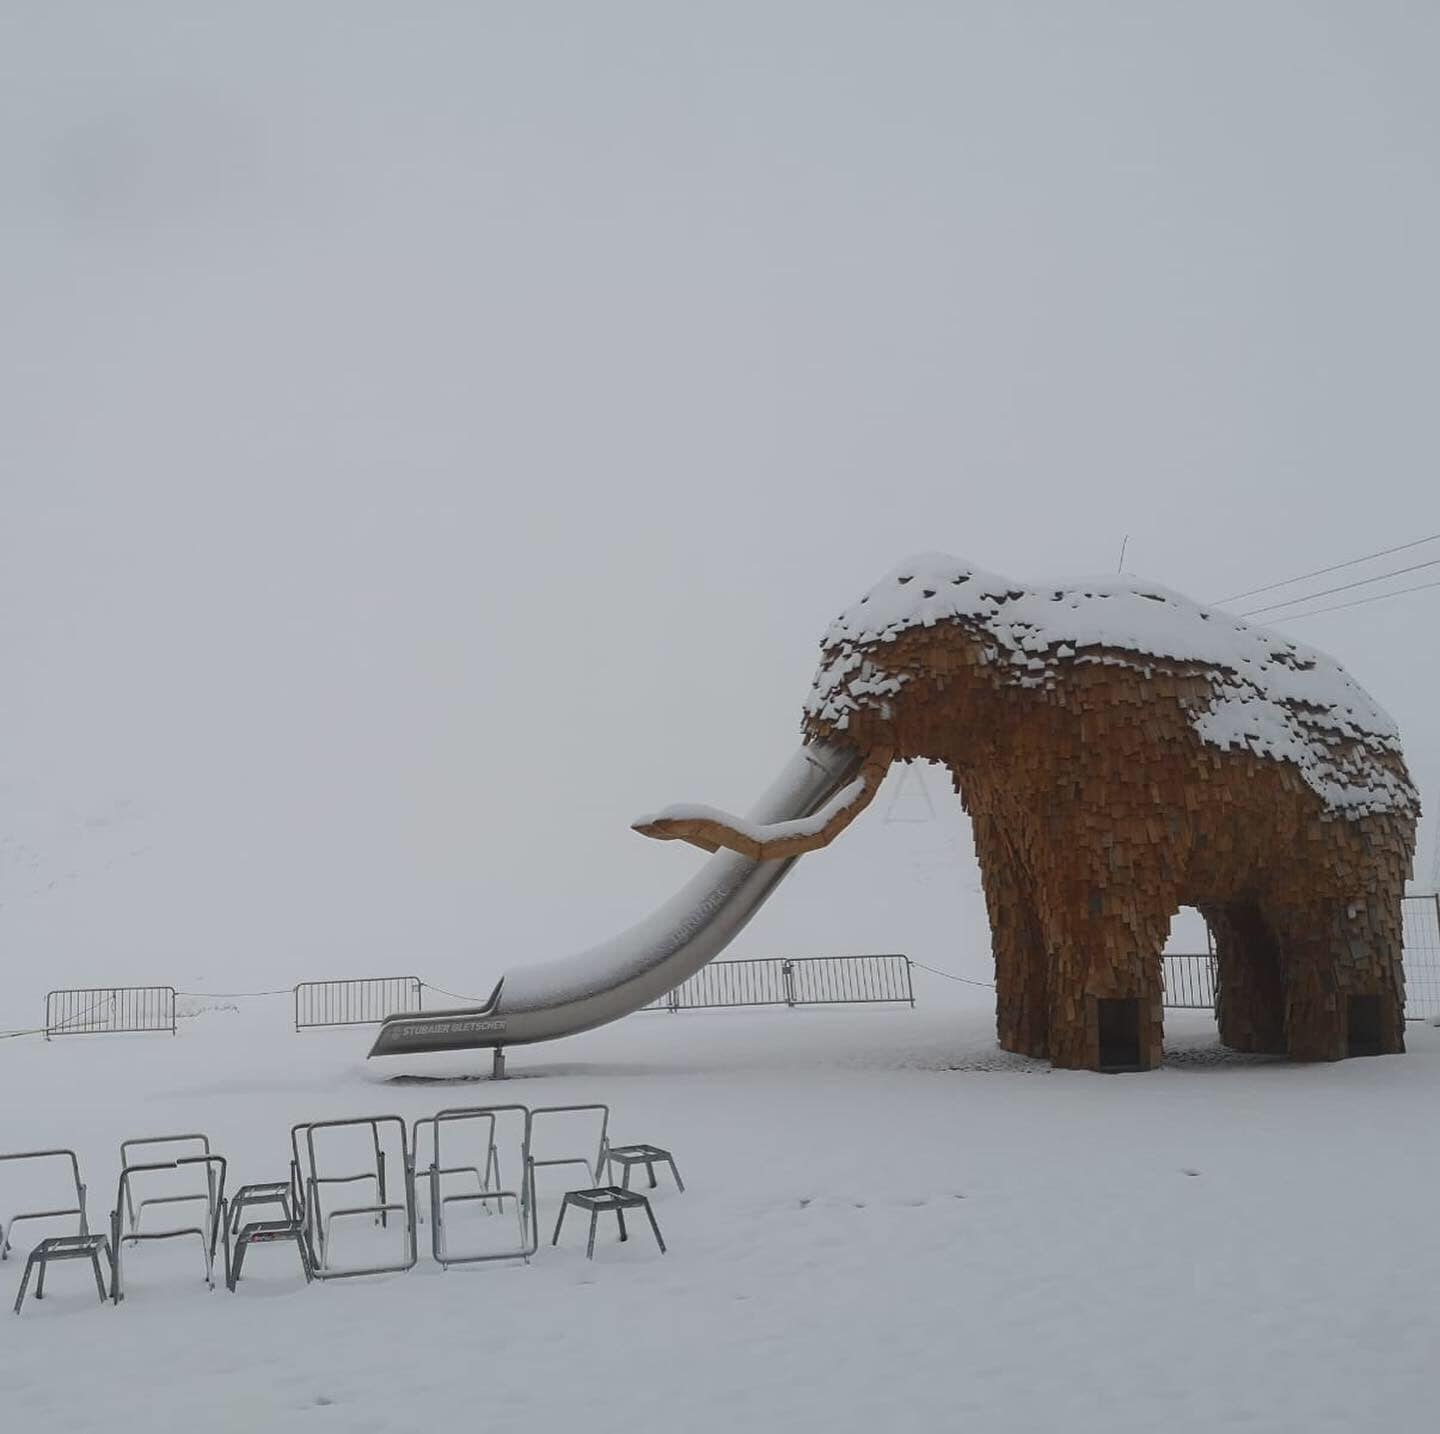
<point x="1188" y="981"/>
<point x="803" y="981"/>
<point x="355" y="1003"/>
<point x="108" y="1010"/>
<point x="1422" y="957"/>
<point x="851" y="980"/>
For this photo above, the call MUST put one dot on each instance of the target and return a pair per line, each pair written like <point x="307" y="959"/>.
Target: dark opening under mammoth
<point x="1124" y="752"/>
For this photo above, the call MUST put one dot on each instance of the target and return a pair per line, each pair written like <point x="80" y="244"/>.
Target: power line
<point x="1360" y="602"/>
<point x="1343" y="588"/>
<point x="1320" y="572"/>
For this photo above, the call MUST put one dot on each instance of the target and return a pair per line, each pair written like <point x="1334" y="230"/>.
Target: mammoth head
<point x="917" y="625"/>
<point x="853" y="704"/>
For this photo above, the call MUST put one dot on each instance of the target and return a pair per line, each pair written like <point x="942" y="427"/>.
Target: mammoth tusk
<point x="710" y="828"/>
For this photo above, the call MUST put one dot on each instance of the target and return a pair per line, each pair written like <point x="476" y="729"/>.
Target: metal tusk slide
<point x="561" y="998"/>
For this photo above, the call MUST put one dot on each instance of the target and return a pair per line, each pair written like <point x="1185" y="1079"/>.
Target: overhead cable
<point x="1360" y="602"/>
<point x="1320" y="572"/>
<point x="1342" y="588"/>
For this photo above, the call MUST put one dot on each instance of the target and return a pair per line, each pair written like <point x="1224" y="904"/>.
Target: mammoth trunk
<point x="760" y="840"/>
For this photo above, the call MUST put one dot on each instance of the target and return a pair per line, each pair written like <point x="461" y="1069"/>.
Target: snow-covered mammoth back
<point x="1267" y="694"/>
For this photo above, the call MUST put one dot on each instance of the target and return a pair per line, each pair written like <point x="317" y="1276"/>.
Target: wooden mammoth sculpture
<point x="1124" y="752"/>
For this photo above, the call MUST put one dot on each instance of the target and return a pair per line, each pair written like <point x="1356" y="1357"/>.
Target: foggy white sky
<point x="431" y="434"/>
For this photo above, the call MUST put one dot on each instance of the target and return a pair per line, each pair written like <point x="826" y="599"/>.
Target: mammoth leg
<point x="1106" y="925"/>
<point x="1340" y="963"/>
<point x="1249" y="993"/>
<point x="1022" y="983"/>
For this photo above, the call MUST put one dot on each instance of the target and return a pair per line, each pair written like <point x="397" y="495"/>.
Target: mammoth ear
<point x="710" y="829"/>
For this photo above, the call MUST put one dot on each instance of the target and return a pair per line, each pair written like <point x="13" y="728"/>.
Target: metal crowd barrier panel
<point x="214" y="1167"/>
<point x="362" y="1002"/>
<point x="307" y="1192"/>
<point x="1421" y="916"/>
<point x="109" y="1010"/>
<point x="523" y="1198"/>
<point x="317" y="1222"/>
<point x="7" y="1226"/>
<point x="729" y="983"/>
<point x="797" y="981"/>
<point x="199" y="1146"/>
<point x="483" y="1172"/>
<point x="1188" y="980"/>
<point x="592" y="1171"/>
<point x="850" y="980"/>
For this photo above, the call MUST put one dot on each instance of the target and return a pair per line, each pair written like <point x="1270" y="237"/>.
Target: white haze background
<point x="431" y="434"/>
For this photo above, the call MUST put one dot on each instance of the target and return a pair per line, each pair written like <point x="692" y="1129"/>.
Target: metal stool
<point x="649" y="1156"/>
<point x="266" y="1232"/>
<point x="606" y="1197"/>
<point x="274" y="1192"/>
<point x="64" y="1247"/>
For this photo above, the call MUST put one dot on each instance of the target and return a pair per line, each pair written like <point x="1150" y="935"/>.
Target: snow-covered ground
<point x="888" y="1225"/>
